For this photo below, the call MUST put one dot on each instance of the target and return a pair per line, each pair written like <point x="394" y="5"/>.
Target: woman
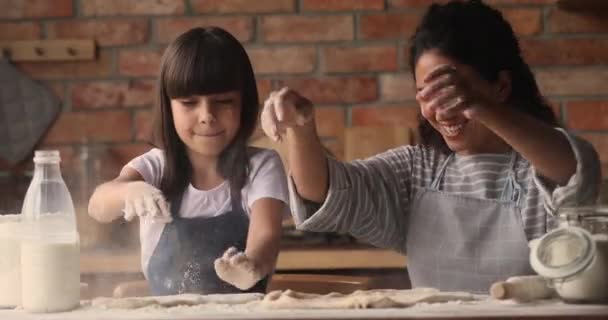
<point x="488" y="176"/>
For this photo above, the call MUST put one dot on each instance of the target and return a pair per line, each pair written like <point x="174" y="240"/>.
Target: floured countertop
<point x="546" y="309"/>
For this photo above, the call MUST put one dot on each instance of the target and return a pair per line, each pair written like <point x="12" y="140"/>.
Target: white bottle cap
<point x="46" y="156"/>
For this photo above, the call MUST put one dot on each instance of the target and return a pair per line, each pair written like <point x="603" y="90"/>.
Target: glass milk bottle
<point x="50" y="247"/>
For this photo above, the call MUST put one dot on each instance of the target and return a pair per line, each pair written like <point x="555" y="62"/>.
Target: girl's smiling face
<point x="207" y="124"/>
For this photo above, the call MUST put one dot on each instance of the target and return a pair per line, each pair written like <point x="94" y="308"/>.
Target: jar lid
<point x="563" y="253"/>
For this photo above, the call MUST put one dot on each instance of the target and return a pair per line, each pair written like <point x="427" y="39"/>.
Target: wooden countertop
<point x="295" y="258"/>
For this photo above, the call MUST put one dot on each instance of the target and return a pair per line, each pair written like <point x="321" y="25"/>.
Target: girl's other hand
<point x="237" y="269"/>
<point x="284" y="109"/>
<point x="147" y="202"/>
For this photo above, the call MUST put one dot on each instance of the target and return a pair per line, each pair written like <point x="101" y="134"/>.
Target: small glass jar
<point x="574" y="257"/>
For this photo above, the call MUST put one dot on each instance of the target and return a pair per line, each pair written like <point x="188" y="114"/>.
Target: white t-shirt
<point x="267" y="179"/>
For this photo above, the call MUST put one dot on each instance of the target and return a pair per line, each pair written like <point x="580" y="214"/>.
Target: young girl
<point x="488" y="176"/>
<point x="221" y="231"/>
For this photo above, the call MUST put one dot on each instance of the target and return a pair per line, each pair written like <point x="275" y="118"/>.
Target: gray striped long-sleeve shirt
<point x="371" y="198"/>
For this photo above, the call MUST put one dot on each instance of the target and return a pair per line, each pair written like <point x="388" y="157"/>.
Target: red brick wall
<point x="348" y="56"/>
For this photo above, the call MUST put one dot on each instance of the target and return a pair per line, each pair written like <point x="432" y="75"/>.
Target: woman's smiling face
<point x="462" y="135"/>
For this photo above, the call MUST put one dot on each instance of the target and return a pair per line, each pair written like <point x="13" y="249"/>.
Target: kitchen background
<point x="348" y="56"/>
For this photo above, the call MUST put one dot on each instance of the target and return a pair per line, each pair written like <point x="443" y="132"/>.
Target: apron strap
<point x="512" y="189"/>
<point x="440" y="174"/>
<point x="235" y="199"/>
<point x="175" y="204"/>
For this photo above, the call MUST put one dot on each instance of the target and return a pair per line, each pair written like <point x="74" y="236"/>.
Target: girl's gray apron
<point x="459" y="243"/>
<point x="183" y="259"/>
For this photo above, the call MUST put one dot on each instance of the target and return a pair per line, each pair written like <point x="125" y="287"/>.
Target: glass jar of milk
<point x="50" y="249"/>
<point x="574" y="257"/>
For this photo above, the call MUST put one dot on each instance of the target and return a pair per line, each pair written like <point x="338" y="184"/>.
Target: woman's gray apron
<point x="459" y="243"/>
<point x="183" y="259"/>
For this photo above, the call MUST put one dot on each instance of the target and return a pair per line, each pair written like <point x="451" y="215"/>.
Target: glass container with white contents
<point x="10" y="261"/>
<point x="50" y="247"/>
<point x="574" y="257"/>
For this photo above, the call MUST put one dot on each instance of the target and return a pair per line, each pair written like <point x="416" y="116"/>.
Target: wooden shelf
<point x="583" y="5"/>
<point x="48" y="50"/>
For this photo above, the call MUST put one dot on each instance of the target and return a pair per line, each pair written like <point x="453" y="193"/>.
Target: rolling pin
<point x="522" y="289"/>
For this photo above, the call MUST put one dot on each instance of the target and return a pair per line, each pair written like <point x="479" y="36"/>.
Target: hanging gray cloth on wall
<point x="27" y="109"/>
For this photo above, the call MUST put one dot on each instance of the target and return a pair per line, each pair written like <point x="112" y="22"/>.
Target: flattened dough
<point x="175" y="300"/>
<point x="289" y="299"/>
<point x="361" y="299"/>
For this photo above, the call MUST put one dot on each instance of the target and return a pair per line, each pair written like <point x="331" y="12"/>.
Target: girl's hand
<point x="145" y="201"/>
<point x="236" y="268"/>
<point x="450" y="92"/>
<point x="285" y="109"/>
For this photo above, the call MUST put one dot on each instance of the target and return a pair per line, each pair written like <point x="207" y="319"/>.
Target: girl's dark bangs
<point x="196" y="71"/>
